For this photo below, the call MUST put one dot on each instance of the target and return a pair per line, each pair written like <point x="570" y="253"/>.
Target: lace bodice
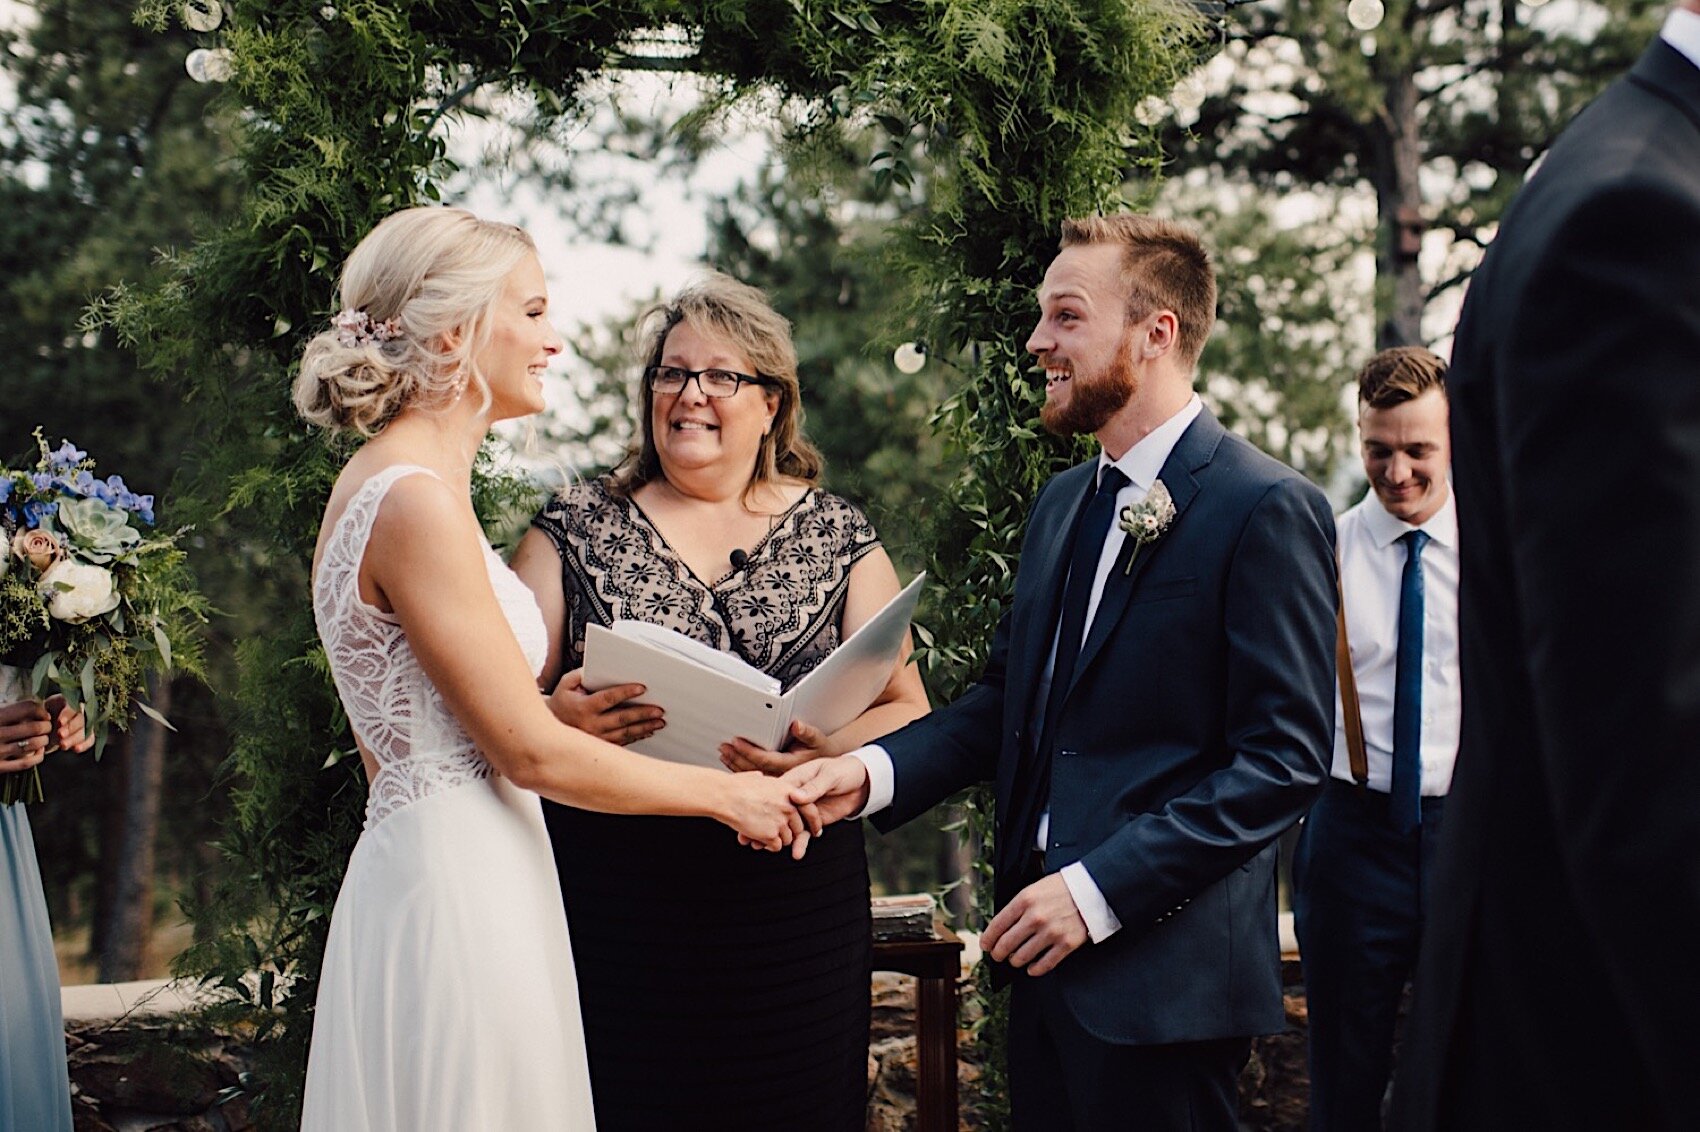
<point x="396" y="713"/>
<point x="780" y="611"/>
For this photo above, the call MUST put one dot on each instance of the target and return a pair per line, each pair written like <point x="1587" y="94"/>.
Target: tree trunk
<point x="128" y="859"/>
<point x="1399" y="205"/>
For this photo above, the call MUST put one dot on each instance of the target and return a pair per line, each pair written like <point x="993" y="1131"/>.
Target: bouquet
<point x="93" y="600"/>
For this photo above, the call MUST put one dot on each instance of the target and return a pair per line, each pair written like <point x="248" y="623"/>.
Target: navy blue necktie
<point x="1407" y="789"/>
<point x="1033" y="780"/>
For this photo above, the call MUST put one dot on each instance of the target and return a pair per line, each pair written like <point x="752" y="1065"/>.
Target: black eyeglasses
<point x="712" y="382"/>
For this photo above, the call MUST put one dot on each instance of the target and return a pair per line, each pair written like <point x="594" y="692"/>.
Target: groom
<point x="1157" y="708"/>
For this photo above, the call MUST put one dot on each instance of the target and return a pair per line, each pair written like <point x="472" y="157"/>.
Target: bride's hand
<point x="761" y="810"/>
<point x="606" y="714"/>
<point x="804" y="744"/>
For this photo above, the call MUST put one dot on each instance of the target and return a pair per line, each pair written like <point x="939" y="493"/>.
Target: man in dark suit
<point x="1156" y="709"/>
<point x="1558" y="986"/>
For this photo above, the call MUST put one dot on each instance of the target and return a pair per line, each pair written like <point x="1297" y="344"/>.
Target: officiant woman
<point x="720" y="987"/>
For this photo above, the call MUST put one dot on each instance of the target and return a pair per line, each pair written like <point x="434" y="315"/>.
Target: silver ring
<point x="23" y="744"/>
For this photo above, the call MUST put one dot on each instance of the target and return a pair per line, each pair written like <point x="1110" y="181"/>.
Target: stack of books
<point x="903" y="917"/>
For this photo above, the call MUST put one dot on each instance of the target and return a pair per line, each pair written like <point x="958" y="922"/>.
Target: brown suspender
<point x="1349" y="689"/>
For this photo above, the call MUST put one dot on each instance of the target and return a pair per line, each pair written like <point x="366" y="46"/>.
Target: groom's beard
<point x="1091" y="401"/>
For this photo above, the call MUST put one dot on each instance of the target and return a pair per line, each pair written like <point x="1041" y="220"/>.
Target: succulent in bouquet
<point x="93" y="598"/>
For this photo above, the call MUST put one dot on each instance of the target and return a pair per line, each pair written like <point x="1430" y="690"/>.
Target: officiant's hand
<point x="804" y="744"/>
<point x="607" y="714"/>
<point x="1038" y="929"/>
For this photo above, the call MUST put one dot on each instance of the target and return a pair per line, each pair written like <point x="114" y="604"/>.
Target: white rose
<point x="76" y="592"/>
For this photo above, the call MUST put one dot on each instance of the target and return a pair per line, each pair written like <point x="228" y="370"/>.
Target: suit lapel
<point x="1191" y="453"/>
<point x="1048" y="561"/>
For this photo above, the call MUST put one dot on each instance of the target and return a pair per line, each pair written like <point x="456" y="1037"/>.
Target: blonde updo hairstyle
<point x="437" y="272"/>
<point x="720" y="307"/>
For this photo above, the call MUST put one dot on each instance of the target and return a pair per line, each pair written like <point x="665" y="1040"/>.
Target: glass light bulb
<point x="1188" y="94"/>
<point x="218" y="65"/>
<point x="1365" y="15"/>
<point x="909" y="357"/>
<point x="196" y="64"/>
<point x="202" y="15"/>
<point x="1150" y="111"/>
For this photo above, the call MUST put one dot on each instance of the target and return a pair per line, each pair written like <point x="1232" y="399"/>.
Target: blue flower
<point x="144" y="508"/>
<point x="67" y="456"/>
<point x="41" y="480"/>
<point x="82" y="484"/>
<point x="5" y="488"/>
<point x="35" y="512"/>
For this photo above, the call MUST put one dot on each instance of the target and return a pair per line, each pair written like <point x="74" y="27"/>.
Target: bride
<point x="447" y="999"/>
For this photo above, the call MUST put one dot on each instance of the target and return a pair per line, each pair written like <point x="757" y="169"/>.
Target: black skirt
<point x="722" y="987"/>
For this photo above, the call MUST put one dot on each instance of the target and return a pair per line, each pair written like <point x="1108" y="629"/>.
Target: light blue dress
<point x="35" y="1092"/>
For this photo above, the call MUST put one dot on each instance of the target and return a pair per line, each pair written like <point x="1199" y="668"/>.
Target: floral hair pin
<point x="355" y="328"/>
<point x="1146" y="520"/>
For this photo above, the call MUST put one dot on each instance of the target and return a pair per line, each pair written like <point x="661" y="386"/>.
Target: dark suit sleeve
<point x="951" y="749"/>
<point x="1601" y="464"/>
<point x="1278" y="718"/>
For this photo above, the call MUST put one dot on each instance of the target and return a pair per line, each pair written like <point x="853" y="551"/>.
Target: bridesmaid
<point x="35" y="1092"/>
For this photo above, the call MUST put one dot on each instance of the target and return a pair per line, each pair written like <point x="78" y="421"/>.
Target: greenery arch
<point x="1026" y="107"/>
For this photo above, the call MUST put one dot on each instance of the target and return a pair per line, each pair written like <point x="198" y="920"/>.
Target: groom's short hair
<point x="1165" y="266"/>
<point x="1400" y="374"/>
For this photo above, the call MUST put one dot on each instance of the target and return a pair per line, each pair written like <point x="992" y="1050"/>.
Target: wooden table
<point x="936" y="963"/>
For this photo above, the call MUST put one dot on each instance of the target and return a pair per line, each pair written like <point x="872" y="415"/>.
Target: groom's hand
<point x="837" y="787"/>
<point x="1038" y="929"/>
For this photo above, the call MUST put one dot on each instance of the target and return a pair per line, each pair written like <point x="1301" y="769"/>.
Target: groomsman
<point x="1365" y="857"/>
<point x="1155" y="711"/>
<point x="1559" y="985"/>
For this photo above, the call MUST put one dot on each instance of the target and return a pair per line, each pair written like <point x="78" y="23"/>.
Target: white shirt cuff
<point x="882" y="778"/>
<point x="1101" y="922"/>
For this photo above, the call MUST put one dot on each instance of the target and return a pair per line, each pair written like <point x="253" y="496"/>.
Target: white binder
<point x="711" y="696"/>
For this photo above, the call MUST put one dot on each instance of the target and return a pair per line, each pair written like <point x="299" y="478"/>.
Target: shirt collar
<point x="1384" y="529"/>
<point x="1143" y="463"/>
<point x="1682" y="31"/>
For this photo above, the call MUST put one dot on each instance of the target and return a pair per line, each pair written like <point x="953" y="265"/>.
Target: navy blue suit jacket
<point x="1197" y="728"/>
<point x="1558" y="981"/>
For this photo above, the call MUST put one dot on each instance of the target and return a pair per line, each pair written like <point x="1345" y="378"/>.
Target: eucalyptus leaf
<point x="153" y="713"/>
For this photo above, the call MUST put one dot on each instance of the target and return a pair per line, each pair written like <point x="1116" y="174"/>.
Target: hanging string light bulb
<point x="208" y="65"/>
<point x="202" y="15"/>
<point x="909" y="357"/>
<point x="1188" y="93"/>
<point x="1365" y="15"/>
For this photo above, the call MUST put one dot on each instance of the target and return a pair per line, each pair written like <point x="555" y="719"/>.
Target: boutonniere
<point x="1146" y="520"/>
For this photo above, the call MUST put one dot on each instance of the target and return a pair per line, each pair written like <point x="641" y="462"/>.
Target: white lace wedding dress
<point x="447" y="998"/>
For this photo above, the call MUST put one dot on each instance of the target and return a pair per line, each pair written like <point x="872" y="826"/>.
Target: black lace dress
<point x="721" y="987"/>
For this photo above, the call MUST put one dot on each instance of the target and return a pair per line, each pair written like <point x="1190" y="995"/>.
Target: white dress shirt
<point x="1372" y="563"/>
<point x="1682" y="31"/>
<point x="1141" y="464"/>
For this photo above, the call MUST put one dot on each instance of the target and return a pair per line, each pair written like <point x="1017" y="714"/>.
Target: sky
<point x="593" y="282"/>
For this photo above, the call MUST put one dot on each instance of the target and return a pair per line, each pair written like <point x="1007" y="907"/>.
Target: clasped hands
<point x="29" y="730"/>
<point x="823" y="788"/>
<point x="780" y="801"/>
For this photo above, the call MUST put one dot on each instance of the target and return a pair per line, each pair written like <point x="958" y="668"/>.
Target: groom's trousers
<point x="1062" y="1079"/>
<point x="1360" y="889"/>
